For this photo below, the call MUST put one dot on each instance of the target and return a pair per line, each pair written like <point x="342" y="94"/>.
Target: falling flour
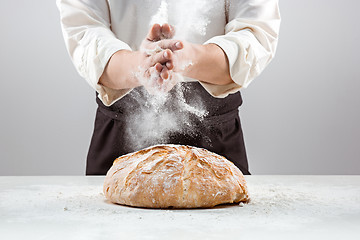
<point x="153" y="122"/>
<point x="186" y="15"/>
<point x="162" y="15"/>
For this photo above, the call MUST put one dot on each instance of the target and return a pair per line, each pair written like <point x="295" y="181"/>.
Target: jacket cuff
<point x="230" y="49"/>
<point x="108" y="95"/>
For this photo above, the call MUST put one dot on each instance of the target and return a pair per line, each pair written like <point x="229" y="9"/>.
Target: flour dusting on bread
<point x="175" y="176"/>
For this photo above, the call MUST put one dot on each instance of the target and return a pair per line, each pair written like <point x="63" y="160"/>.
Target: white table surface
<point x="282" y="207"/>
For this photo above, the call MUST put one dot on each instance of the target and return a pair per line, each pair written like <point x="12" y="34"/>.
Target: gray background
<point x="301" y="116"/>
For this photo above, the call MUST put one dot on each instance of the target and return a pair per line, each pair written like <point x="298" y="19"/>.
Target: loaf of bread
<point x="174" y="176"/>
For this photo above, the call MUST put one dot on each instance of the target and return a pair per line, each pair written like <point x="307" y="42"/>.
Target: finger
<point x="171" y="44"/>
<point x="155" y="81"/>
<point x="154" y="33"/>
<point x="158" y="67"/>
<point x="161" y="57"/>
<point x="169" y="65"/>
<point x="168" y="31"/>
<point x="151" y="72"/>
<point x="154" y="78"/>
<point x="151" y="80"/>
<point x="164" y="73"/>
<point x="170" y="82"/>
<point x="147" y="74"/>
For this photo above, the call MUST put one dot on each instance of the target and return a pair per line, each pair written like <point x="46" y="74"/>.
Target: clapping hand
<point x="158" y="49"/>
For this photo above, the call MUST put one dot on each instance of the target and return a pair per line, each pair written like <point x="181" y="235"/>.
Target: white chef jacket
<point x="246" y="30"/>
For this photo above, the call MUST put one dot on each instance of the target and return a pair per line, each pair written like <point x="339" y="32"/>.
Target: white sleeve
<point x="90" y="42"/>
<point x="250" y="42"/>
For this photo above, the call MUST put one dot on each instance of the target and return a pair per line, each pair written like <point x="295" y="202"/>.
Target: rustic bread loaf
<point x="175" y="176"/>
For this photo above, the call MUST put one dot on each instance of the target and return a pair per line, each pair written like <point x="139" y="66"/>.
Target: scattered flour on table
<point x="272" y="206"/>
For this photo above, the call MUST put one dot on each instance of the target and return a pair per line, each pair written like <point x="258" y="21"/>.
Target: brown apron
<point x="220" y="130"/>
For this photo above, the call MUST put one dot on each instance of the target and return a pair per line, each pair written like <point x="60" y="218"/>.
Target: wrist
<point x="210" y="64"/>
<point x="134" y="59"/>
<point x="196" y="54"/>
<point x="119" y="73"/>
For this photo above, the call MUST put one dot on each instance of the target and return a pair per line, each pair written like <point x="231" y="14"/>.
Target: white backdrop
<point x="301" y="116"/>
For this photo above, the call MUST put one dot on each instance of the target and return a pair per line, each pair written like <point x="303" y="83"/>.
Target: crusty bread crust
<point x="174" y="176"/>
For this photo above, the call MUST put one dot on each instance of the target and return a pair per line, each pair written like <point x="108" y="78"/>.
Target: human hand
<point x="157" y="49"/>
<point x="159" y="72"/>
<point x="207" y="63"/>
<point x="181" y="62"/>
